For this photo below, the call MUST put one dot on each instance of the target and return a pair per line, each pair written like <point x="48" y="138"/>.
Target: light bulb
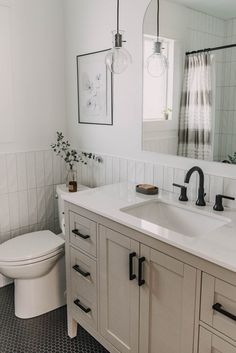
<point x="157" y="62"/>
<point x="118" y="59"/>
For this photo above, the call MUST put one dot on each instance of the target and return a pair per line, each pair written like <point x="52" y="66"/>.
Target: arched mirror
<point x="189" y="79"/>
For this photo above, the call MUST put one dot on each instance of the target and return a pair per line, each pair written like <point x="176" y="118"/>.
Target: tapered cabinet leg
<point x="72" y="327"/>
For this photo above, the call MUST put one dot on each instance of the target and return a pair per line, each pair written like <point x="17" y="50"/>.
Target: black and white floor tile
<point x="44" y="334"/>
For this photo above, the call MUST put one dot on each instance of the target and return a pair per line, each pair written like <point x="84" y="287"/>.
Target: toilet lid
<point x="30" y="246"/>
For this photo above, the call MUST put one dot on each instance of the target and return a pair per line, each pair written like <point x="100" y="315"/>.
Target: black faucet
<point x="201" y="194"/>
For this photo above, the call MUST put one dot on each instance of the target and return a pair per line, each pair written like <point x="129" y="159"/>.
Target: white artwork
<point x="94" y="89"/>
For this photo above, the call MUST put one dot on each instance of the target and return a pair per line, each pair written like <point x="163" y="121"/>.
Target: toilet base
<point x="34" y="297"/>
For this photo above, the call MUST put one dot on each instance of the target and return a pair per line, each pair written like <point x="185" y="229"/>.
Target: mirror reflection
<point x="189" y="79"/>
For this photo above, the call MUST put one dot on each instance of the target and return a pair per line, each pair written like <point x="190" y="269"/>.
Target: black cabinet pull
<point x="218" y="307"/>
<point x="141" y="281"/>
<point x="132" y="276"/>
<point x="76" y="232"/>
<point x="78" y="269"/>
<point x="81" y="306"/>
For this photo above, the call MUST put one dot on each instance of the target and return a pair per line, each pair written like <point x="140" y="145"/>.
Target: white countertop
<point x="218" y="247"/>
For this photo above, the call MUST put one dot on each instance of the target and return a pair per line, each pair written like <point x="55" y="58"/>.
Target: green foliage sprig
<point x="232" y="158"/>
<point x="63" y="149"/>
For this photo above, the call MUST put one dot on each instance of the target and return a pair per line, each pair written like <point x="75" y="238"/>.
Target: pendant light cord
<point x="118" y="16"/>
<point x="158" y="18"/>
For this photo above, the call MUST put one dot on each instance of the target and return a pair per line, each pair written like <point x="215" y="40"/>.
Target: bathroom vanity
<point x="141" y="279"/>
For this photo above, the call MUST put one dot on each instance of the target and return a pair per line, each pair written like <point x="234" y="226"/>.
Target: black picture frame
<point x="108" y="119"/>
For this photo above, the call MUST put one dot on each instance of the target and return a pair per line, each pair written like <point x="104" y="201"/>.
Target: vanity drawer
<point x="218" y="305"/>
<point x="83" y="309"/>
<point x="83" y="275"/>
<point x="83" y="288"/>
<point x="209" y="343"/>
<point x="83" y="233"/>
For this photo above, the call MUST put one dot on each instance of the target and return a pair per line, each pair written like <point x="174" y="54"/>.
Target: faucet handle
<point x="219" y="202"/>
<point x="183" y="194"/>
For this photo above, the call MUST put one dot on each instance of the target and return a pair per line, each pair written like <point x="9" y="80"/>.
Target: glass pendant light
<point x="157" y="62"/>
<point x="118" y="58"/>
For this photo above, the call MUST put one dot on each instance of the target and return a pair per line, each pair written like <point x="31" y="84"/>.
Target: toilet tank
<point x="60" y="190"/>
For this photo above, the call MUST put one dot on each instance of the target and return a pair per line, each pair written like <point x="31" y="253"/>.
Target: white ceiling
<point x="224" y="9"/>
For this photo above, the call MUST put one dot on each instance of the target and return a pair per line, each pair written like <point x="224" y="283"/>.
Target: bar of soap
<point x="147" y="189"/>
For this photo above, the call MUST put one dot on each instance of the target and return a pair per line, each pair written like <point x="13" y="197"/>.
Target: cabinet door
<point x="210" y="343"/>
<point x="167" y="304"/>
<point x="119" y="296"/>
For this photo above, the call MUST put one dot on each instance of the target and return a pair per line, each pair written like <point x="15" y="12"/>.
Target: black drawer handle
<point x="78" y="269"/>
<point x="132" y="276"/>
<point x="218" y="307"/>
<point x="141" y="281"/>
<point x="81" y="306"/>
<point x="76" y="232"/>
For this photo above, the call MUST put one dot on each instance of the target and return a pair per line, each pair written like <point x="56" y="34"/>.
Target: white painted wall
<point x="88" y="27"/>
<point x="32" y="108"/>
<point x="37" y="71"/>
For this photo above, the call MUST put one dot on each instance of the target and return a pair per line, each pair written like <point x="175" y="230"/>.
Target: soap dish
<point x="147" y="189"/>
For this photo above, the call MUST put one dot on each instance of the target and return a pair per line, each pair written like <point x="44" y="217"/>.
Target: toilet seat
<point x="31" y="248"/>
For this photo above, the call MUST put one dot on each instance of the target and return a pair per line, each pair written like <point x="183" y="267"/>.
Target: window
<point x="158" y="91"/>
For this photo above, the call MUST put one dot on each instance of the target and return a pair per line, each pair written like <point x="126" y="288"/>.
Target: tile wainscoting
<point x="28" y="186"/>
<point x="114" y="170"/>
<point x="27" y="193"/>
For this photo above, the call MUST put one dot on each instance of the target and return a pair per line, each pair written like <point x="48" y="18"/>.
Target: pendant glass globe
<point x="118" y="59"/>
<point x="157" y="62"/>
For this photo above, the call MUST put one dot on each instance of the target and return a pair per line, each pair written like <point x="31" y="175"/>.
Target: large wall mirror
<point x="189" y="93"/>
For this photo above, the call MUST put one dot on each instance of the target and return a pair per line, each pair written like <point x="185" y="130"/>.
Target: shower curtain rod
<point x="210" y="49"/>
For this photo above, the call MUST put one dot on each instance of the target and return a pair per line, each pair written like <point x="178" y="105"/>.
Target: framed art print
<point x="95" y="89"/>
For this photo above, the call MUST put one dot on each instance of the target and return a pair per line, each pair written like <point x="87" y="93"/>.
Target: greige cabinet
<point x="167" y="304"/>
<point x="157" y="307"/>
<point x="119" y="297"/>
<point x="210" y="343"/>
<point x="135" y="294"/>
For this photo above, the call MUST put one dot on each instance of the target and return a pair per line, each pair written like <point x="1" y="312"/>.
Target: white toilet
<point x="36" y="263"/>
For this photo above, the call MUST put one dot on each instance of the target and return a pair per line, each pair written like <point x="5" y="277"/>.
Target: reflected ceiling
<point x="225" y="9"/>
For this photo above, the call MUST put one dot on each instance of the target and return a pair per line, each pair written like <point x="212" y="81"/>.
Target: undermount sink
<point x="176" y="218"/>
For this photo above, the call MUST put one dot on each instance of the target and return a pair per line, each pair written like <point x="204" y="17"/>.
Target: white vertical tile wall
<point x="27" y="191"/>
<point x="28" y="185"/>
<point x="226" y="108"/>
<point x="115" y="169"/>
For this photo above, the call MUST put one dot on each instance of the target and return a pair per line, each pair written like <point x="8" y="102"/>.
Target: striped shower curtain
<point x="195" y="121"/>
